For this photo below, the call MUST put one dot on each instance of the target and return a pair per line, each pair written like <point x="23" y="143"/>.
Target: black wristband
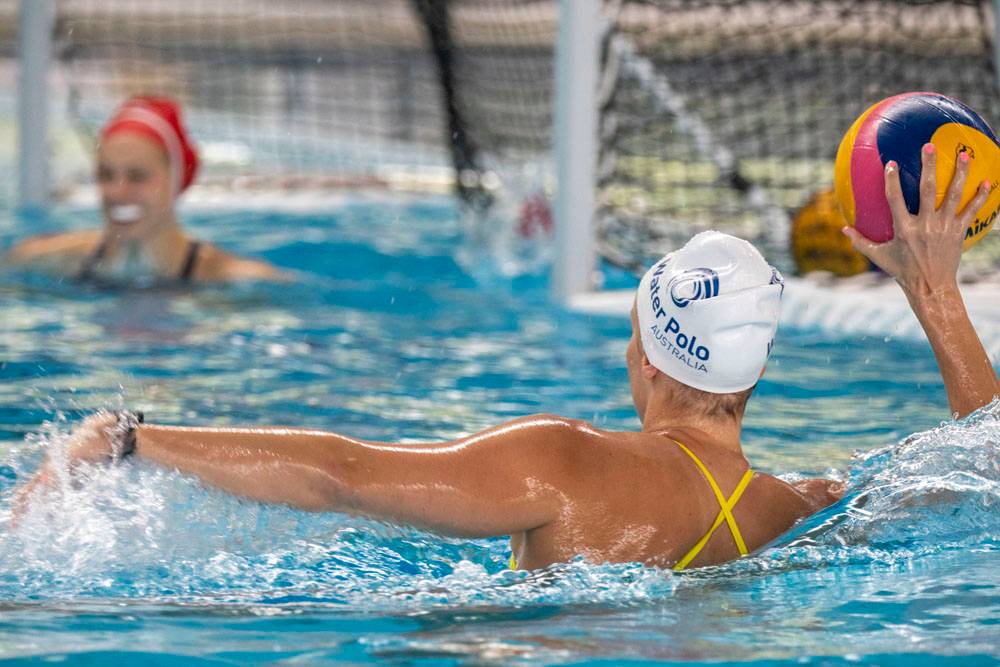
<point x="128" y="421"/>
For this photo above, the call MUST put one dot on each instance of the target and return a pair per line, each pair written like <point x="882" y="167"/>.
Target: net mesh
<point x="713" y="113"/>
<point x="336" y="93"/>
<point x="276" y="90"/>
<point x="728" y="115"/>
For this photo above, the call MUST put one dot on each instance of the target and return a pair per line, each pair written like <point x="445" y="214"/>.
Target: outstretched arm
<point x="506" y="479"/>
<point x="923" y="257"/>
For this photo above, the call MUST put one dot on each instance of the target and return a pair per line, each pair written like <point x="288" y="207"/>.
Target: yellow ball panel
<point x="984" y="164"/>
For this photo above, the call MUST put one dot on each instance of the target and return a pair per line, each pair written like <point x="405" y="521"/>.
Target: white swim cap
<point x="708" y="313"/>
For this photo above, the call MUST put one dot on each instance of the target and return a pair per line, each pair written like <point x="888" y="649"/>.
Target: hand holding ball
<point x="896" y="129"/>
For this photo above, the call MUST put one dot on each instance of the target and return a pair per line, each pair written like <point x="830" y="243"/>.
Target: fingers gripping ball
<point x="896" y="129"/>
<point x="818" y="244"/>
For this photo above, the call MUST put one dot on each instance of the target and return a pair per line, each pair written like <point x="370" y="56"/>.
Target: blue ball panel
<point x="909" y="124"/>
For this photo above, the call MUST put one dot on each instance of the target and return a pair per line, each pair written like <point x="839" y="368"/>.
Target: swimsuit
<point x="725" y="514"/>
<point x="187" y="269"/>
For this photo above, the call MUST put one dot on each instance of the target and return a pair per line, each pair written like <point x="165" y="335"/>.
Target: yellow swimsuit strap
<point x="725" y="512"/>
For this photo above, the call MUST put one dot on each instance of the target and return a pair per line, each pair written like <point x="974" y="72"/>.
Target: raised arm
<point x="506" y="479"/>
<point x="923" y="257"/>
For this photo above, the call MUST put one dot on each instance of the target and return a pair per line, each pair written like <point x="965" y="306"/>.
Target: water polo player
<point x="679" y="493"/>
<point x="145" y="161"/>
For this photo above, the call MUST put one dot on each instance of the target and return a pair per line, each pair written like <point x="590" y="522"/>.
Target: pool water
<point x="396" y="330"/>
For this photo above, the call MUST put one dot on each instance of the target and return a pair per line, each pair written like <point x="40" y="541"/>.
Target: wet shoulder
<point x="631" y="455"/>
<point x="769" y="508"/>
<point x="691" y="463"/>
<point x="216" y="265"/>
<point x="766" y="508"/>
<point x="59" y="247"/>
<point x="727" y="468"/>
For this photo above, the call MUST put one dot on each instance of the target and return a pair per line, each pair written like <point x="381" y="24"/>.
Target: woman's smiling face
<point x="135" y="182"/>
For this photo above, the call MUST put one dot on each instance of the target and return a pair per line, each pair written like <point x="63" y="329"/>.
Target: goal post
<point x="576" y="111"/>
<point x="34" y="52"/>
<point x="658" y="118"/>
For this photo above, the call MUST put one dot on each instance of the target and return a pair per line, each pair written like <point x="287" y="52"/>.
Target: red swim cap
<point x="159" y="118"/>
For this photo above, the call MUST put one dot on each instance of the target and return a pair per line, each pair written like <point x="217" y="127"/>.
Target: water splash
<point x="936" y="490"/>
<point x="139" y="532"/>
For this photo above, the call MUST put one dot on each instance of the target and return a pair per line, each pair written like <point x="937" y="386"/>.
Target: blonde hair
<point x="712" y="405"/>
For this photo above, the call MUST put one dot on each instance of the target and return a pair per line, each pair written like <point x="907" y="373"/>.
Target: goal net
<point x="728" y="115"/>
<point x="720" y="114"/>
<point x="327" y="93"/>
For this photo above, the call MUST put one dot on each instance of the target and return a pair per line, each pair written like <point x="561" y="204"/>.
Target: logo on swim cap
<point x="710" y="328"/>
<point x="777" y="279"/>
<point x="692" y="285"/>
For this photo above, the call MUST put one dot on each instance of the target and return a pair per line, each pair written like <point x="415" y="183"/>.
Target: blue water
<point x="396" y="331"/>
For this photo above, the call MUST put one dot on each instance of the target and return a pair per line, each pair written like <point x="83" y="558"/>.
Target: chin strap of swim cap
<point x="708" y="313"/>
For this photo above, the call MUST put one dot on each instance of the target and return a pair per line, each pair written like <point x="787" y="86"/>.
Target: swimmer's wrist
<point x="924" y="296"/>
<point x="938" y="310"/>
<point x="126" y="433"/>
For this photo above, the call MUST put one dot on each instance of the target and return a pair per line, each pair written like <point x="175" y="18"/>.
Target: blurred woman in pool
<point x="145" y="161"/>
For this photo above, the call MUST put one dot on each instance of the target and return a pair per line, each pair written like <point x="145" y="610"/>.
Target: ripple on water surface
<point x="903" y="570"/>
<point x="891" y="558"/>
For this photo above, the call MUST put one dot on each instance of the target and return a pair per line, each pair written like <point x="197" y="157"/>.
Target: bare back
<point x="640" y="497"/>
